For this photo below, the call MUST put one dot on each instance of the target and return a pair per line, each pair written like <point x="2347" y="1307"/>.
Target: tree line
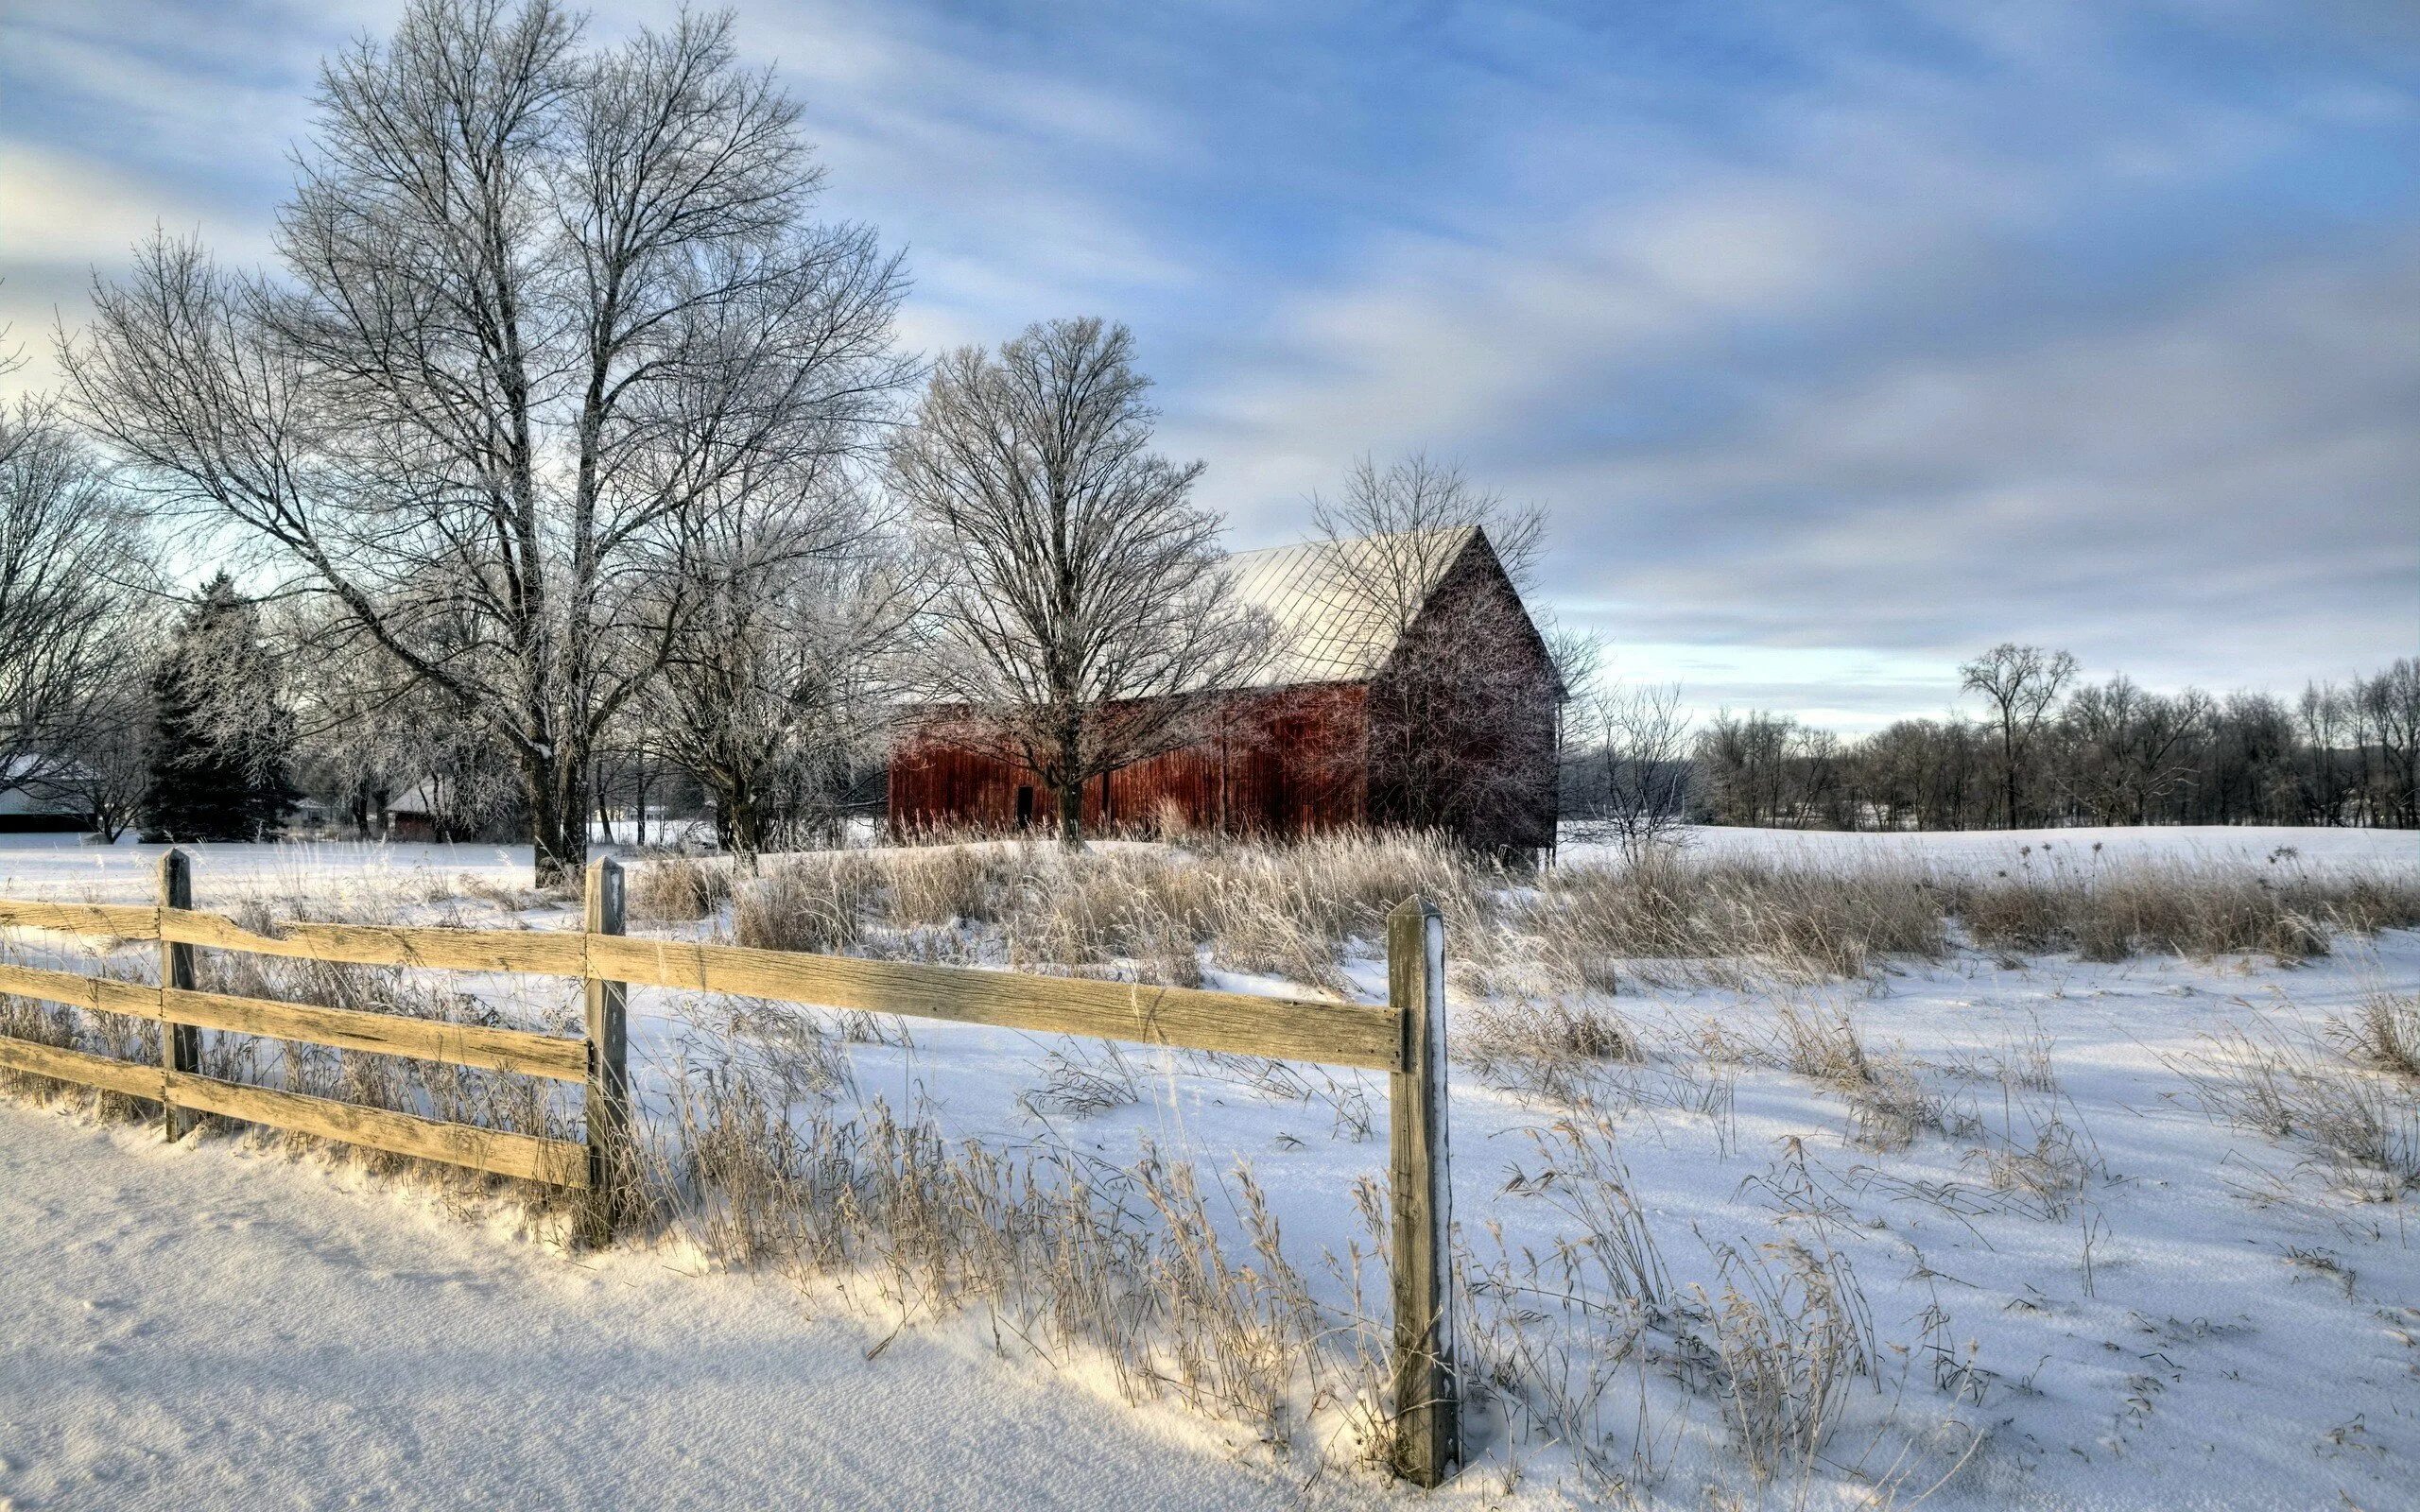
<point x="2043" y="745"/>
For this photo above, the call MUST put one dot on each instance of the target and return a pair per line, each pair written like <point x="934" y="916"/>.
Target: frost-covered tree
<point x="1459" y="738"/>
<point x="537" y="304"/>
<point x="67" y="542"/>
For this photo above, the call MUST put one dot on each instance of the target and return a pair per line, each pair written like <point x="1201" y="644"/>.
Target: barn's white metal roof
<point x="1330" y="629"/>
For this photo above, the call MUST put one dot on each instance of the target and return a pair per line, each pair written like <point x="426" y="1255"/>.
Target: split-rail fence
<point x="1403" y="1037"/>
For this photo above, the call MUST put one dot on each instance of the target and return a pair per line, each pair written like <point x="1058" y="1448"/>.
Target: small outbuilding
<point x="1410" y="687"/>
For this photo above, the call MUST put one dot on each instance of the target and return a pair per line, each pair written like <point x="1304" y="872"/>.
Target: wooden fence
<point x="1403" y="1037"/>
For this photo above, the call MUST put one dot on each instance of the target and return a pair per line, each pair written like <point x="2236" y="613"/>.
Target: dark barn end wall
<point x="1279" y="761"/>
<point x="1464" y="717"/>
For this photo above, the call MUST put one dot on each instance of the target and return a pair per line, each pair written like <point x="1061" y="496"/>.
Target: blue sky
<point x="1839" y="341"/>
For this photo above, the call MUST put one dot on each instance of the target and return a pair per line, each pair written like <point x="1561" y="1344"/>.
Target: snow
<point x="222" y="1326"/>
<point x="208" y="1328"/>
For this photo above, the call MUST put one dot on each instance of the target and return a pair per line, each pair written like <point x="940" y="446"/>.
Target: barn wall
<point x="1287" y="761"/>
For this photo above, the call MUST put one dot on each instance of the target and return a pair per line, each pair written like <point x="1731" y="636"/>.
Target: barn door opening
<point x="1025" y="808"/>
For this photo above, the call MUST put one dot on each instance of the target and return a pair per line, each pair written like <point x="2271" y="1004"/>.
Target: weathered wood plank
<point x="100" y="920"/>
<point x="560" y="1163"/>
<point x="460" y="1044"/>
<point x="100" y="993"/>
<point x="1343" y="1034"/>
<point x="387" y="1033"/>
<point x="539" y="953"/>
<point x="1427" y="1410"/>
<point x="80" y="1066"/>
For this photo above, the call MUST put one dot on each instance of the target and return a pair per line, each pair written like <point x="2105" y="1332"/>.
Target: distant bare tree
<point x="2324" y="716"/>
<point x="1922" y="772"/>
<point x="64" y="535"/>
<point x="1078" y="592"/>
<point x="539" y="306"/>
<point x="2129" y="749"/>
<point x="100" y="745"/>
<point x="2391" y="707"/>
<point x="2022" y="684"/>
<point x="1746" y="762"/>
<point x="1461" y="739"/>
<point x="1632" y="744"/>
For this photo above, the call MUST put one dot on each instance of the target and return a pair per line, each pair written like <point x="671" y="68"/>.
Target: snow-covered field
<point x="2067" y="1281"/>
<point x="210" y="1328"/>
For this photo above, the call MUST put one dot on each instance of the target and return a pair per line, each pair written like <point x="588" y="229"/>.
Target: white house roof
<point x="1330" y="630"/>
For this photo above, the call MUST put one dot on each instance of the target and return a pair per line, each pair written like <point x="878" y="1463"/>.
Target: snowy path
<point x="205" y="1327"/>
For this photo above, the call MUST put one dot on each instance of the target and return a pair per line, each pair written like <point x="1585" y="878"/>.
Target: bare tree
<point x="64" y="535"/>
<point x="777" y="690"/>
<point x="2130" y="749"/>
<point x="1465" y="737"/>
<point x="99" y="750"/>
<point x="538" y="306"/>
<point x="1633" y="750"/>
<point x="1078" y="594"/>
<point x="2022" y="683"/>
<point x="2391" y="706"/>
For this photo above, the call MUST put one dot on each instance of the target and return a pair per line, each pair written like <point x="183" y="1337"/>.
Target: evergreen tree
<point x="221" y="743"/>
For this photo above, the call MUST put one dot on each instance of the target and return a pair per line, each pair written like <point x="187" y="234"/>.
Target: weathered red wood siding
<point x="1287" y="761"/>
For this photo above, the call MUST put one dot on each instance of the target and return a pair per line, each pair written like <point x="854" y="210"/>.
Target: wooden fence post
<point x="1428" y="1397"/>
<point x="607" y="1107"/>
<point x="180" y="1043"/>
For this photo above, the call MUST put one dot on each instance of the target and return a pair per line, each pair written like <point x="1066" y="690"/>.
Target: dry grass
<point x="1787" y="1336"/>
<point x="1127" y="912"/>
<point x="2360" y="1128"/>
<point x="1123" y="1265"/>
<point x="2384" y="1035"/>
<point x="2110" y="914"/>
<point x="676" y="888"/>
<point x="801" y="904"/>
<point x="1546" y="1048"/>
<point x="1566" y="1343"/>
<point x="1302" y="912"/>
<point x="1678" y="919"/>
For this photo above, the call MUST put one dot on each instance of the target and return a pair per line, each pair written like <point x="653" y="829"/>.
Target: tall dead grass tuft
<point x="2364" y="1134"/>
<point x="1546" y="1048"/>
<point x="812" y="903"/>
<point x="676" y="889"/>
<point x="1126" y="1264"/>
<point x="1789" y="1335"/>
<point x="2384" y="1034"/>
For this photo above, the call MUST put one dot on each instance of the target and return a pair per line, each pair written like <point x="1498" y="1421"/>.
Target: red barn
<point x="1411" y="687"/>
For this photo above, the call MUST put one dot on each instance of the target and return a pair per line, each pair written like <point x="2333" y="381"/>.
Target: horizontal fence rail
<point x="1404" y="1038"/>
<point x="1369" y="1036"/>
